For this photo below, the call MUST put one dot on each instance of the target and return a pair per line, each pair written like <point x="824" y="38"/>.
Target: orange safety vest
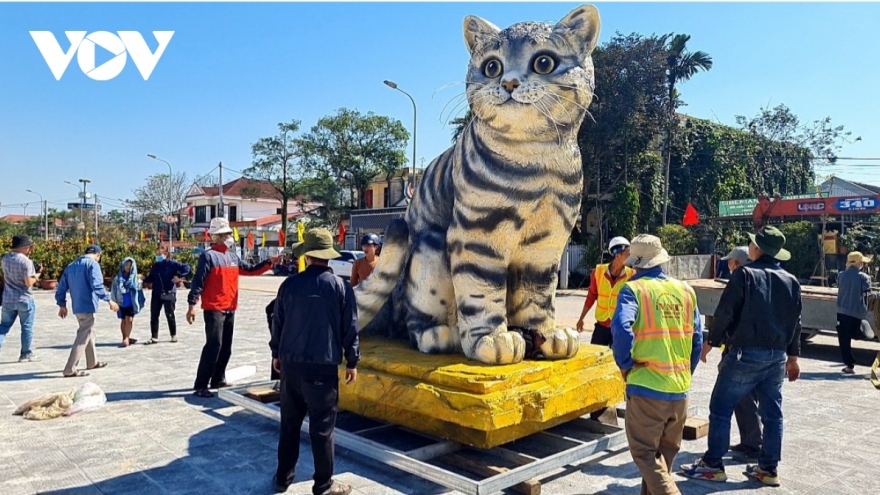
<point x="606" y="303"/>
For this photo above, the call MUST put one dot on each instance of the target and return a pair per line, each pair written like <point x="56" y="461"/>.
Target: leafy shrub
<point x="677" y="240"/>
<point x="802" y="240"/>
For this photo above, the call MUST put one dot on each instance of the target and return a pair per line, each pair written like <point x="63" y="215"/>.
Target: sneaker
<point x="768" y="477"/>
<point x="174" y="338"/>
<point x="27" y="358"/>
<point x="702" y="471"/>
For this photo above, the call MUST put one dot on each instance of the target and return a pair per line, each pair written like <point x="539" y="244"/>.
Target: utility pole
<point x="96" y="217"/>
<point x="171" y="202"/>
<point x="45" y="213"/>
<point x="222" y="212"/>
<point x="82" y="215"/>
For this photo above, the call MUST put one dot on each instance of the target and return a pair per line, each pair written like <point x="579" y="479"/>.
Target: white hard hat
<point x="617" y="241"/>
<point x="219" y="225"/>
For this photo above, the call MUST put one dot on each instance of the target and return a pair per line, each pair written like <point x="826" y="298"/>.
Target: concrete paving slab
<point x="153" y="437"/>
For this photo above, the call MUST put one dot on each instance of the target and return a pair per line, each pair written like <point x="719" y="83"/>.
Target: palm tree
<point x="460" y="124"/>
<point x="681" y="65"/>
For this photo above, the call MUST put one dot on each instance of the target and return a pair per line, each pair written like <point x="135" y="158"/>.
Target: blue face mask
<point x="160" y="258"/>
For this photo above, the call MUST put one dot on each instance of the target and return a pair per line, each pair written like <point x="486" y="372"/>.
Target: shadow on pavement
<point x="237" y="457"/>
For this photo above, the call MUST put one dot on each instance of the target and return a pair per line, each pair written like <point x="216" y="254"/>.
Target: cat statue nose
<point x="510" y="85"/>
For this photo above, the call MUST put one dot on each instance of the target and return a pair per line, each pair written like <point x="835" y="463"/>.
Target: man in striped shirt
<point x="19" y="276"/>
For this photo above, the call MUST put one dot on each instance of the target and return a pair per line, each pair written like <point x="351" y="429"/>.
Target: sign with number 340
<point x="856" y="204"/>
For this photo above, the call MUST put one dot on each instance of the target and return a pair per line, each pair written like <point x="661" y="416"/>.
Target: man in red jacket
<point x="216" y="282"/>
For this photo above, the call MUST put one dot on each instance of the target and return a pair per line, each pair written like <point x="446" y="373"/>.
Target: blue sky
<point x="233" y="71"/>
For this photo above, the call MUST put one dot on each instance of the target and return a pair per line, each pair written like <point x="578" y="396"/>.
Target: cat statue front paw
<point x="500" y="348"/>
<point x="561" y="343"/>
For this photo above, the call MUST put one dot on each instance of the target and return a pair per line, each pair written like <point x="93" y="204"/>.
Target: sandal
<point x="98" y="365"/>
<point x="76" y="374"/>
<point x="132" y="341"/>
<point x="203" y="393"/>
<point x="151" y="341"/>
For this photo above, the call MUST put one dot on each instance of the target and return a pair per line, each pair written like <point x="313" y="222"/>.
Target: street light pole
<point x="393" y="85"/>
<point x="85" y="229"/>
<point x="170" y="178"/>
<point x="45" y="214"/>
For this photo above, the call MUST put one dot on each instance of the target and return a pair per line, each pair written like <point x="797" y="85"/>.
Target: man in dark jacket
<point x="759" y="318"/>
<point x="314" y="324"/>
<point x="162" y="281"/>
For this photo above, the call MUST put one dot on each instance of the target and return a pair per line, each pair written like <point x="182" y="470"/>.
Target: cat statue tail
<point x="373" y="293"/>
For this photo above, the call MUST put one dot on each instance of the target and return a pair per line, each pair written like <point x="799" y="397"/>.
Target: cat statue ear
<point x="580" y="28"/>
<point x="477" y="31"/>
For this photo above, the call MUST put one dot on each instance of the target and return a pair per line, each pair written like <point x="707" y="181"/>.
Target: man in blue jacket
<point x="85" y="282"/>
<point x="314" y="325"/>
<point x="657" y="338"/>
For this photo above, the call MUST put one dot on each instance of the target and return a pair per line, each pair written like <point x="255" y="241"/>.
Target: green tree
<point x="822" y="139"/>
<point x="624" y="210"/>
<point x="355" y="148"/>
<point x="802" y="240"/>
<point x="460" y="124"/>
<point x="625" y="117"/>
<point x="681" y="65"/>
<point x="276" y="160"/>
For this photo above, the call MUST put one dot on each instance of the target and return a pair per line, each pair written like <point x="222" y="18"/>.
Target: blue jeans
<point x="25" y="312"/>
<point x="741" y="371"/>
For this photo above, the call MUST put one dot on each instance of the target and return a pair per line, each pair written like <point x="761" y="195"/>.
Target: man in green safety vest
<point x="657" y="342"/>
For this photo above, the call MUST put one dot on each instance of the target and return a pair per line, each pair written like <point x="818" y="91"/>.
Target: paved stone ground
<point x="152" y="437"/>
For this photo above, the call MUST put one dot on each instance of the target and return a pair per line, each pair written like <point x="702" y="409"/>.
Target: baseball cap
<point x="93" y="249"/>
<point x="738" y="254"/>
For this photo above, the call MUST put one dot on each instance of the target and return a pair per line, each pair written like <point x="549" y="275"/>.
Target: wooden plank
<point x="695" y="428"/>
<point x="511" y="456"/>
<point x="528" y="487"/>
<point x="559" y="442"/>
<point x="265" y="395"/>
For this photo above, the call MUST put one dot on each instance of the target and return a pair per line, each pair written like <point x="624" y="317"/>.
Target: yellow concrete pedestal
<point x="450" y="397"/>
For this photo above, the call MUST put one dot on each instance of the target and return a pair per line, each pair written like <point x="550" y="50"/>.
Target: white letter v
<point x="52" y="52"/>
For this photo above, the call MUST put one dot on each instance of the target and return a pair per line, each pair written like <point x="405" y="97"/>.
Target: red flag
<point x="250" y="240"/>
<point x="207" y="235"/>
<point x="191" y="211"/>
<point x="282" y="239"/>
<point x="691" y="217"/>
<point x="341" y="232"/>
<point x="161" y="236"/>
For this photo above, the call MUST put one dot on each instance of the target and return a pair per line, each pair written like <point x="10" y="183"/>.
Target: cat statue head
<point x="532" y="81"/>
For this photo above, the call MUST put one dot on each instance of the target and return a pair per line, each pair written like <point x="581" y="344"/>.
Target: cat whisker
<point x="459" y="96"/>
<point x="541" y="106"/>
<point x="455" y="83"/>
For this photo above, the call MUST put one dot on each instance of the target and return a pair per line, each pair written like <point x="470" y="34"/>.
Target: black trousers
<point x="848" y="328"/>
<point x="156" y="305"/>
<point x="217" y="349"/>
<point x="316" y="396"/>
<point x="601" y="335"/>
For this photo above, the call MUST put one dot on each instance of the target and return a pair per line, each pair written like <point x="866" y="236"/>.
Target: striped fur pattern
<point x="474" y="263"/>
